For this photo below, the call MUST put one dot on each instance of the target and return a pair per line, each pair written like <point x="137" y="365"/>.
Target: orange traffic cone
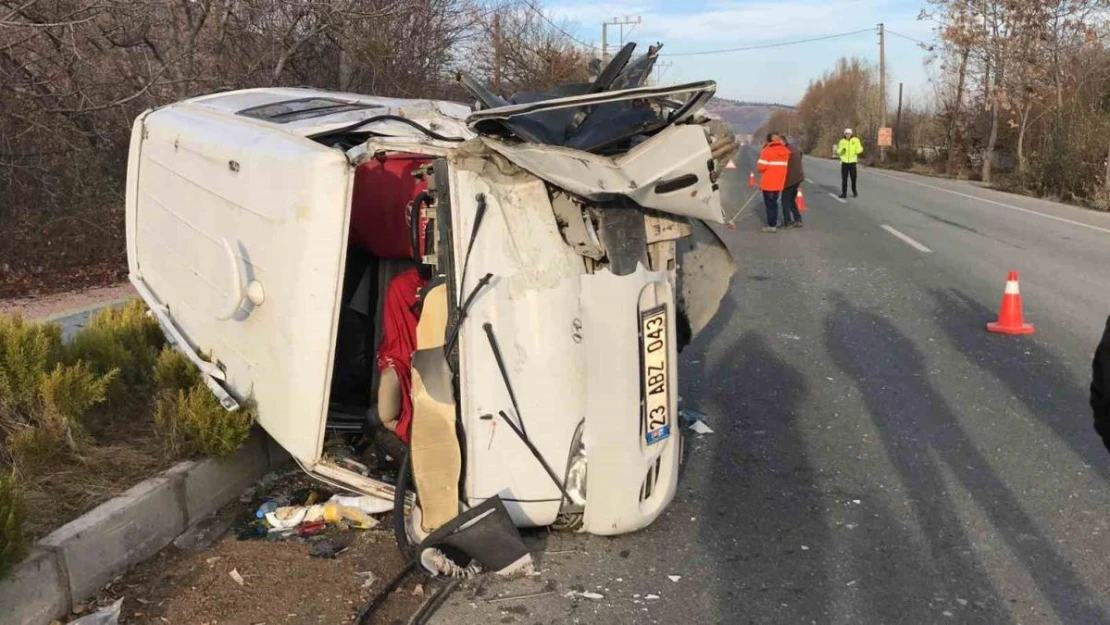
<point x="751" y="179"/>
<point x="1010" y="318"/>
<point x="801" y="201"/>
<point x="730" y="165"/>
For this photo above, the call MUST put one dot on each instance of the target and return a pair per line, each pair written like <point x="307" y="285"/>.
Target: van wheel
<point x="400" y="529"/>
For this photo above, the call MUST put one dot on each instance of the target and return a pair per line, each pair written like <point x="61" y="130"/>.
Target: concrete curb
<point x="78" y="559"/>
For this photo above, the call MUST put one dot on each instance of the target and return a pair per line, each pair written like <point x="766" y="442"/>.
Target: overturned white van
<point x="534" y="265"/>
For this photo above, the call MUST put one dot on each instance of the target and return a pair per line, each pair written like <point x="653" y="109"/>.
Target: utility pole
<point x="882" y="85"/>
<point x="898" y="123"/>
<point x="661" y="68"/>
<point x="497" y="53"/>
<point x="616" y="21"/>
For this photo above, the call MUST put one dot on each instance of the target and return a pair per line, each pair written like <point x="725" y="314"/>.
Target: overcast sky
<point x="778" y="74"/>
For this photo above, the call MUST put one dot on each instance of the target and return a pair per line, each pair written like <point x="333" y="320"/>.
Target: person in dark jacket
<point x="1100" y="387"/>
<point x="791" y="218"/>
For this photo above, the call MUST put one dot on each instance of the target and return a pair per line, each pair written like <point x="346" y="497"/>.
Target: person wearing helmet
<point x="848" y="150"/>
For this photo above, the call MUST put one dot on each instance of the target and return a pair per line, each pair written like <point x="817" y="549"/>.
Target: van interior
<point x="377" y="321"/>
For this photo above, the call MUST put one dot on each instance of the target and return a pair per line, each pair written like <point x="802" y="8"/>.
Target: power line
<point x="908" y="38"/>
<point x="539" y="12"/>
<point x="772" y="45"/>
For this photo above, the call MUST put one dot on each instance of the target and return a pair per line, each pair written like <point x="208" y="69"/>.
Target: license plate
<point x="655" y="374"/>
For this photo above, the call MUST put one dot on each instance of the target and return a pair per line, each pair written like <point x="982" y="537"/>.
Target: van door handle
<point x="253" y="292"/>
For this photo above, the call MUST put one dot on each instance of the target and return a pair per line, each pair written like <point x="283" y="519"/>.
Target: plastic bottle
<point x="270" y="506"/>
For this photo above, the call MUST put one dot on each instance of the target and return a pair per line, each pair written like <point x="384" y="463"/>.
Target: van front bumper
<point x="629" y="481"/>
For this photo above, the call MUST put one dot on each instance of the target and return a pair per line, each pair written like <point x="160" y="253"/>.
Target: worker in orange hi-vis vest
<point x="772" y="164"/>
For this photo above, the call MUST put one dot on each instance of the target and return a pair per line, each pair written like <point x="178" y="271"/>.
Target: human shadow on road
<point x="762" y="502"/>
<point x="1034" y="375"/>
<point x="925" y="441"/>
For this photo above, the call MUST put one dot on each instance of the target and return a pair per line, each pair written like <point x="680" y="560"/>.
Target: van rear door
<point x="236" y="239"/>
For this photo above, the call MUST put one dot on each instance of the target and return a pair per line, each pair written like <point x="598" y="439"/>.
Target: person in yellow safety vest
<point x="848" y="150"/>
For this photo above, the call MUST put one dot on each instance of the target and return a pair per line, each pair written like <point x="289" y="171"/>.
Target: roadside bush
<point x="68" y="392"/>
<point x="28" y="353"/>
<point x="195" y="424"/>
<point x="13" y="545"/>
<point x="174" y="371"/>
<point x="125" y="339"/>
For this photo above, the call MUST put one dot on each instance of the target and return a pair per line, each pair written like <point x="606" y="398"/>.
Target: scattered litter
<point x="534" y="595"/>
<point x="270" y="506"/>
<point x="805" y="548"/>
<point x="689" y="416"/>
<point x="947" y="613"/>
<point x="237" y="577"/>
<point x="103" y="616"/>
<point x="418" y="591"/>
<point x="365" y="503"/>
<point x="370" y="578"/>
<point x="829" y="379"/>
<point x="620" y="579"/>
<point x="329" y="548"/>
<point x="585" y="595"/>
<point x="651" y="597"/>
<point x="674" y="578"/>
<point x="212" y="560"/>
<point x="852" y="583"/>
<point x="856" y="501"/>
<point x="961" y="601"/>
<point x="851" y="526"/>
<point x="699" y="427"/>
<point x="353" y="465"/>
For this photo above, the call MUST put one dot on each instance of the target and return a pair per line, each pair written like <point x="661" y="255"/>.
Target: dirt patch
<point x="65" y="302"/>
<point x="17" y="283"/>
<point x="282" y="582"/>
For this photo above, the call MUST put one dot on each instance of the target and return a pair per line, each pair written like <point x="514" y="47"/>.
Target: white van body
<point x="237" y="231"/>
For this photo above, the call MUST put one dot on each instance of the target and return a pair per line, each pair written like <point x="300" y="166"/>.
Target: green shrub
<point x="125" y="339"/>
<point x="68" y="392"/>
<point x="195" y="424"/>
<point x="28" y="353"/>
<point x="174" y="371"/>
<point x="13" y="545"/>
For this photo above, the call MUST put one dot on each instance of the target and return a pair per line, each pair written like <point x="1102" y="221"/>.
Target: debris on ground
<point x="329" y="548"/>
<point x="104" y="616"/>
<point x="283" y="585"/>
<point x="689" y="416"/>
<point x="586" y="594"/>
<point x="674" y="578"/>
<point x="237" y="577"/>
<point x="699" y="427"/>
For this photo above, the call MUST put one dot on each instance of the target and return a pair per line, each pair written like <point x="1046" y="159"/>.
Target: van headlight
<point x="576" y="468"/>
<point x="571" y="512"/>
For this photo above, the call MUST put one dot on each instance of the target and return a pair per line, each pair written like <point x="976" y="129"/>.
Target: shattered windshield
<point x="608" y="115"/>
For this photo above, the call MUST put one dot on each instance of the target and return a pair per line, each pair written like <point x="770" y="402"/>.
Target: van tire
<point x="401" y="489"/>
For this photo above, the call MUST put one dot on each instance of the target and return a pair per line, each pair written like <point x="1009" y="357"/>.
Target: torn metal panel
<point x="663" y="227"/>
<point x="706" y="268"/>
<point x="578" y="229"/>
<point x="669" y="172"/>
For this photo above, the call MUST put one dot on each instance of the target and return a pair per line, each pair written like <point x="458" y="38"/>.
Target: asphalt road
<point x="877" y="456"/>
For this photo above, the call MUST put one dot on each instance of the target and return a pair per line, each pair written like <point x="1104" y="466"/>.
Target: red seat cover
<point x="383" y="191"/>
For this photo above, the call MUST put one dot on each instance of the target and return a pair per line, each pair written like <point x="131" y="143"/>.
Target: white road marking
<point x="838" y="198"/>
<point x="1003" y="205"/>
<point x="914" y="244"/>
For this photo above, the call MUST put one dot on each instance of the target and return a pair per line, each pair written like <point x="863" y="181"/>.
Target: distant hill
<point x="744" y="117"/>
